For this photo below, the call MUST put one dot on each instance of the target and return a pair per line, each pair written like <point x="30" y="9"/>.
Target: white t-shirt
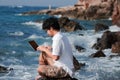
<point x="61" y="47"/>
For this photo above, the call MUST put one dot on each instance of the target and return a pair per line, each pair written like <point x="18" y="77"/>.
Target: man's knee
<point x="39" y="69"/>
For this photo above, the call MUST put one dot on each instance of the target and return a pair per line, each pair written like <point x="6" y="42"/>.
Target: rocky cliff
<point x="116" y="13"/>
<point x="87" y="10"/>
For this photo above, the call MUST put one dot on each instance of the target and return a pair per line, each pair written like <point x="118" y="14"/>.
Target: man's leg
<point x="45" y="60"/>
<point x="42" y="59"/>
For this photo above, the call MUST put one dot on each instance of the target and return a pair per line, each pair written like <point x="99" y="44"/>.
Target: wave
<point x="16" y="6"/>
<point x="18" y="33"/>
<point x="34" y="36"/>
<point x="114" y="28"/>
<point x="18" y="14"/>
<point x="31" y="23"/>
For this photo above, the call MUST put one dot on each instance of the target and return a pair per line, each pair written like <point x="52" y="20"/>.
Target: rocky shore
<point x="86" y="10"/>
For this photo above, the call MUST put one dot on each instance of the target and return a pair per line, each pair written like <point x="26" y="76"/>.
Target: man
<point x="55" y="62"/>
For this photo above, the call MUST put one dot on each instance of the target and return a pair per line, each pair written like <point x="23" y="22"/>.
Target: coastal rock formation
<point x="79" y="48"/>
<point x="116" y="13"/>
<point x="83" y="9"/>
<point x="5" y="69"/>
<point x="69" y="25"/>
<point x="107" y="40"/>
<point x="65" y="78"/>
<point x="116" y="47"/>
<point x="100" y="27"/>
<point x="98" y="54"/>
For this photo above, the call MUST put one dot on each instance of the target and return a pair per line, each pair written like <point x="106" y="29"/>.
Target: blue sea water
<point x="15" y="52"/>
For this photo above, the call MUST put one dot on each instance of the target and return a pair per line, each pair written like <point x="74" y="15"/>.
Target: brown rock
<point x="100" y="27"/>
<point x="106" y="41"/>
<point x="116" y="13"/>
<point x="84" y="9"/>
<point x="69" y="25"/>
<point x="4" y="69"/>
<point x="64" y="78"/>
<point x="79" y="48"/>
<point x="116" y="47"/>
<point x="91" y="11"/>
<point x="98" y="54"/>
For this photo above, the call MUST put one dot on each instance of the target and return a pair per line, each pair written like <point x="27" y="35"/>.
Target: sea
<point x="16" y="30"/>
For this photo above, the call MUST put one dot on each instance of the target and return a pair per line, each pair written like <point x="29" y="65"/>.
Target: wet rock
<point x="76" y="64"/>
<point x="114" y="56"/>
<point x="69" y="25"/>
<point x="100" y="27"/>
<point x="65" y="78"/>
<point x="108" y="38"/>
<point x="98" y="54"/>
<point x="116" y="47"/>
<point x="79" y="48"/>
<point x="116" y="13"/>
<point x="5" y="69"/>
<point x="91" y="9"/>
<point x="97" y="45"/>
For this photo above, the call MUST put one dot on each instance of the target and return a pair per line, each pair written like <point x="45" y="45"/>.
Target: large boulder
<point x="79" y="48"/>
<point x="100" y="27"/>
<point x="116" y="47"/>
<point x="108" y="38"/>
<point x="4" y="69"/>
<point x="91" y="12"/>
<point x="69" y="25"/>
<point x="98" y="54"/>
<point x="65" y="78"/>
<point x="116" y="13"/>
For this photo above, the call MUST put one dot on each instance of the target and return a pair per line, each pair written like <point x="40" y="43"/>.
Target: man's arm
<point x="48" y="52"/>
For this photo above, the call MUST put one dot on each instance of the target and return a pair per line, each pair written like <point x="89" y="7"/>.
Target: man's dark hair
<point x="51" y="22"/>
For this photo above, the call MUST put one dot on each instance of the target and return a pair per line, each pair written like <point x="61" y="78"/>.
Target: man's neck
<point x="55" y="32"/>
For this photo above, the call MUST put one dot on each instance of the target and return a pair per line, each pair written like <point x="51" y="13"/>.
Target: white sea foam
<point x="19" y="6"/>
<point x="34" y="24"/>
<point x="18" y="14"/>
<point x="58" y="16"/>
<point x="34" y="36"/>
<point x="114" y="28"/>
<point x="18" y="33"/>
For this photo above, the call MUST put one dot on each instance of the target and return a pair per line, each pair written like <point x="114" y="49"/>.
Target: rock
<point x="65" y="78"/>
<point x="88" y="10"/>
<point x="116" y="47"/>
<point x="76" y="64"/>
<point x="106" y="41"/>
<point x="79" y="48"/>
<point x="91" y="11"/>
<point x="98" y="54"/>
<point x="116" y="13"/>
<point x="69" y="25"/>
<point x="5" y="69"/>
<point x="100" y="27"/>
<point x="112" y="56"/>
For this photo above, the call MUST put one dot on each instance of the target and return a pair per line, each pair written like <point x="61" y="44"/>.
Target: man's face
<point x="50" y="32"/>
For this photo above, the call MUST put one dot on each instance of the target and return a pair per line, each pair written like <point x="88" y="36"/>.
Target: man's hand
<point x="47" y="51"/>
<point x="41" y="48"/>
